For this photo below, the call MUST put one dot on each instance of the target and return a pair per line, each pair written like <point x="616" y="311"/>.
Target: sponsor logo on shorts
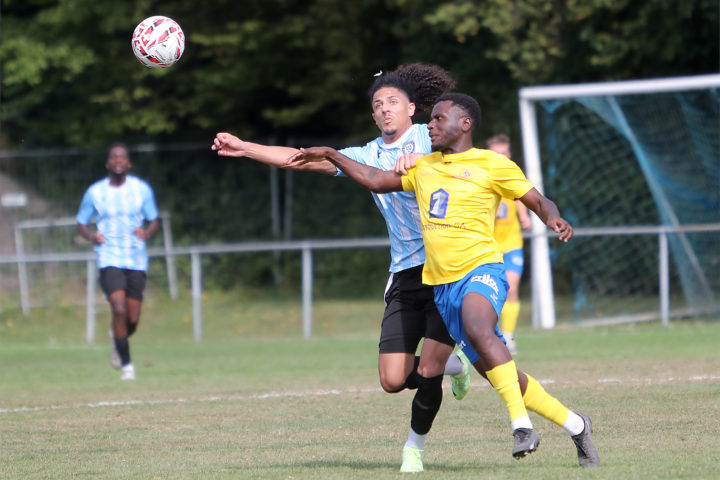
<point x="486" y="279"/>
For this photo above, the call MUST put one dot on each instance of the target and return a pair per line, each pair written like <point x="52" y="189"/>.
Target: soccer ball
<point x="158" y="42"/>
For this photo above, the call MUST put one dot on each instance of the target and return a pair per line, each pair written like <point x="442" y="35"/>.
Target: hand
<point x="228" y="145"/>
<point x="525" y="222"/>
<point x="98" y="239"/>
<point x="140" y="233"/>
<point x="308" y="155"/>
<point x="560" y="226"/>
<point x="406" y="162"/>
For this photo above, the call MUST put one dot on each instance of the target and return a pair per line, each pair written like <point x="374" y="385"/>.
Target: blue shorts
<point x="489" y="281"/>
<point x="514" y="261"/>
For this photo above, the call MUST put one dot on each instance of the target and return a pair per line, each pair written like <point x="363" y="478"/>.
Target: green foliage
<point x="298" y="68"/>
<point x="589" y="40"/>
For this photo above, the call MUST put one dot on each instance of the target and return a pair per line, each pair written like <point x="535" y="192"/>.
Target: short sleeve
<point x="509" y="181"/>
<point x="149" y="208"/>
<point x="87" y="209"/>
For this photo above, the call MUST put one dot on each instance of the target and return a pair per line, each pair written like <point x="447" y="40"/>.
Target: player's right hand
<point x="405" y="163"/>
<point x="308" y="155"/>
<point x="228" y="145"/>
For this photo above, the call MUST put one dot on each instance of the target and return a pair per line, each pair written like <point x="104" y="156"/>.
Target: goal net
<point x="635" y="167"/>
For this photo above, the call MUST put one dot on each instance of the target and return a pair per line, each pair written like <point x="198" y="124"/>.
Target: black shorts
<point x="410" y="314"/>
<point x="113" y="279"/>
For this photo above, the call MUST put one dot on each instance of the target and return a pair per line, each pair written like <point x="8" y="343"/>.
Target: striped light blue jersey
<point x="400" y="209"/>
<point x="117" y="210"/>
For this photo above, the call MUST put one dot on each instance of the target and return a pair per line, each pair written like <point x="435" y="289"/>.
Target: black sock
<point x="131" y="327"/>
<point x="426" y="403"/>
<point x="123" y="348"/>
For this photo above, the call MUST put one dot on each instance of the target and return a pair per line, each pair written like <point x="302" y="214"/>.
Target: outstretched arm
<point x="548" y="213"/>
<point x="228" y="145"/>
<point x="374" y="179"/>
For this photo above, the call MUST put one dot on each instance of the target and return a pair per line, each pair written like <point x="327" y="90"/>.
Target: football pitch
<point x="252" y="403"/>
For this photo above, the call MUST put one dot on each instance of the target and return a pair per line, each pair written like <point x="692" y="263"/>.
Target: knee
<point x="118" y="309"/>
<point x="431" y="369"/>
<point x="392" y="383"/>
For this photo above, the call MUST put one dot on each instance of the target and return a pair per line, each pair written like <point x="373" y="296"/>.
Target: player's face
<point x="446" y="126"/>
<point x="392" y="112"/>
<point x="501" y="148"/>
<point x="118" y="162"/>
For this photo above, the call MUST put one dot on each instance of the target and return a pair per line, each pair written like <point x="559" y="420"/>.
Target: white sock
<point x="522" y="422"/>
<point x="416" y="440"/>
<point x="454" y="365"/>
<point x="574" y="423"/>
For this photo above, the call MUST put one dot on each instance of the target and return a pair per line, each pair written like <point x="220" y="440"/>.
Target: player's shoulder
<point x="132" y="179"/>
<point x="98" y="186"/>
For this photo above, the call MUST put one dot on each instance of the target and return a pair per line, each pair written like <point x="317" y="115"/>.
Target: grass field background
<point x="254" y="400"/>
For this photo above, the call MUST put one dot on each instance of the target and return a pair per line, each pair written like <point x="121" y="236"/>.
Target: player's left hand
<point x="561" y="226"/>
<point x="140" y="233"/>
<point x="307" y="155"/>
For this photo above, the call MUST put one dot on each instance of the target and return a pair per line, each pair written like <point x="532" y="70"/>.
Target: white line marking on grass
<point x="215" y="398"/>
<point x="322" y="393"/>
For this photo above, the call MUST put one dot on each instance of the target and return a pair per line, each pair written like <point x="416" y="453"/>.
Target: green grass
<point x="254" y="400"/>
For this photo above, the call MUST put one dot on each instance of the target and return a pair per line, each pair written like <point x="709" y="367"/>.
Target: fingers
<point x="219" y="142"/>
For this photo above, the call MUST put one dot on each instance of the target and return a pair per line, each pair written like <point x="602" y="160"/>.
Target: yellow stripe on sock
<point x="539" y="401"/>
<point x="505" y="380"/>
<point x="509" y="317"/>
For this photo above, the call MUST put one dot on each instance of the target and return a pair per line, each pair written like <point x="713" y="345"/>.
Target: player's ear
<point x="411" y="109"/>
<point x="466" y="124"/>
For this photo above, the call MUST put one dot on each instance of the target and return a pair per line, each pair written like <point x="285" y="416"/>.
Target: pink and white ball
<point x="158" y="42"/>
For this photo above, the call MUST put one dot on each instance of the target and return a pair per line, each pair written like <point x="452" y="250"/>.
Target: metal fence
<point x="307" y="247"/>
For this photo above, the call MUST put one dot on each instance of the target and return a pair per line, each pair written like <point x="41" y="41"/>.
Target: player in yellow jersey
<point x="458" y="189"/>
<point x="511" y="219"/>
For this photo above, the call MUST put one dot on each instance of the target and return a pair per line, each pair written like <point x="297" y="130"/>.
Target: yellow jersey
<point x="508" y="232"/>
<point x="458" y="195"/>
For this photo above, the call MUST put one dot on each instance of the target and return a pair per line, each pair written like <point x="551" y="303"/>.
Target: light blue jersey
<point x="400" y="209"/>
<point x="117" y="211"/>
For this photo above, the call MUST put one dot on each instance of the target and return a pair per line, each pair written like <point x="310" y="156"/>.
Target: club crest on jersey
<point x="408" y="147"/>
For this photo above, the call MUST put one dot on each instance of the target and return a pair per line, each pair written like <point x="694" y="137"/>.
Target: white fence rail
<point x="306" y="247"/>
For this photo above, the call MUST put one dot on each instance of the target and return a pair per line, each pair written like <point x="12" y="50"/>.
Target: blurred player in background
<point x="121" y="205"/>
<point x="458" y="189"/>
<point x="410" y="312"/>
<point x="511" y="218"/>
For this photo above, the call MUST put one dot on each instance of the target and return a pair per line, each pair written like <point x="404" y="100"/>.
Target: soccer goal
<point x="635" y="167"/>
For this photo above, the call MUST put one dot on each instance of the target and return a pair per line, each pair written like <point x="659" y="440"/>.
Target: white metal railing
<point x="306" y="247"/>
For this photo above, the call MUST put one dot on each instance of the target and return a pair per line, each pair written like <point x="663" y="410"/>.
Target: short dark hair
<point x="422" y="83"/>
<point x="499" y="138"/>
<point x="118" y="144"/>
<point x="466" y="102"/>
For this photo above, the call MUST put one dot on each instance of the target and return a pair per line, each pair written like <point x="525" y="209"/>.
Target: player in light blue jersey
<point x="121" y="205"/>
<point x="410" y="312"/>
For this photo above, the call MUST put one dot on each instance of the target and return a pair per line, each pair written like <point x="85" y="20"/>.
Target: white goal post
<point x="543" y="315"/>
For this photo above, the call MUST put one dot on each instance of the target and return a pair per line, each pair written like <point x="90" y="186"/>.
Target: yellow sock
<point x="539" y="401"/>
<point x="505" y="380"/>
<point x="508" y="317"/>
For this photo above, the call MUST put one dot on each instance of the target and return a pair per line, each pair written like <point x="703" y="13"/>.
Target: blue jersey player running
<point x="121" y="204"/>
<point x="410" y="312"/>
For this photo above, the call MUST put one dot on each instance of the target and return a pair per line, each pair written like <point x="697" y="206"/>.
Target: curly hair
<point x="421" y="82"/>
<point x="467" y="103"/>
